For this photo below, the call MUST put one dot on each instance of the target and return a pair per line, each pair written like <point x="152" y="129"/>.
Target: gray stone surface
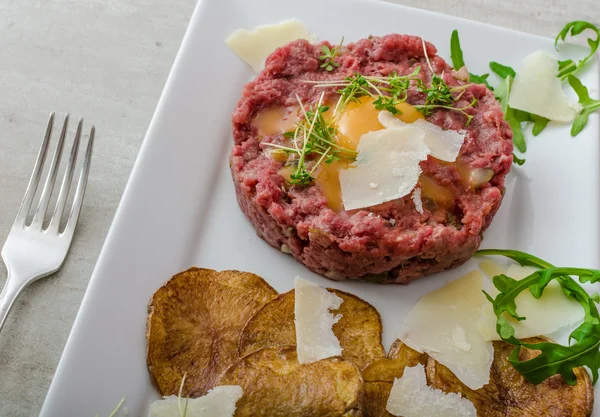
<point x="107" y="61"/>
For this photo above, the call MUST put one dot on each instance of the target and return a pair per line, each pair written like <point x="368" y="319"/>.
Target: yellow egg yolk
<point x="273" y="120"/>
<point x="360" y="117"/>
<point x="356" y="119"/>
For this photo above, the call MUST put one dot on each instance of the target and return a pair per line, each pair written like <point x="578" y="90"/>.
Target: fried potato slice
<point x="375" y="397"/>
<point x="508" y="394"/>
<point x="275" y="384"/>
<point x="358" y="330"/>
<point x="379" y="375"/>
<point x="194" y="324"/>
<point x="387" y="369"/>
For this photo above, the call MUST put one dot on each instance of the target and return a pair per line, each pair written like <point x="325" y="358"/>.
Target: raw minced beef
<point x="391" y="242"/>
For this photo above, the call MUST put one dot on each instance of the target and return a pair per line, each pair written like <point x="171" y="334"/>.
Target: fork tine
<point x="35" y="175"/>
<point x="81" y="184"/>
<point x="66" y="182"/>
<point x="38" y="219"/>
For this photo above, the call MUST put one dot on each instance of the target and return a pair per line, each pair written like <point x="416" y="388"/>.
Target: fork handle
<point x="9" y="294"/>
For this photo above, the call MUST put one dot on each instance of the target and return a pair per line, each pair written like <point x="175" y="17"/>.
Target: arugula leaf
<point x="518" y="136"/>
<point x="573" y="29"/>
<point x="589" y="105"/>
<point x="557" y="359"/>
<point x="480" y="79"/>
<point x="515" y="117"/>
<point x="539" y="123"/>
<point x="522" y="258"/>
<point x="502" y="71"/>
<point x="502" y="93"/>
<point x="521" y="116"/>
<point x="456" y="55"/>
<point x="517" y="160"/>
<point x="554" y="358"/>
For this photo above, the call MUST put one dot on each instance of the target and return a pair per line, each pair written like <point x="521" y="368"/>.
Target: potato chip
<point x="358" y="330"/>
<point x="275" y="384"/>
<point x="194" y="324"/>
<point x="375" y="397"/>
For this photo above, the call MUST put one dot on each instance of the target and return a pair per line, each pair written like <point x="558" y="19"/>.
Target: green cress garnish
<point x="316" y="136"/>
<point x="390" y="91"/>
<point x="456" y="55"/>
<point x="117" y="408"/>
<point x="182" y="411"/>
<point x="589" y="105"/>
<point x="328" y="57"/>
<point x="573" y="29"/>
<point x="554" y="358"/>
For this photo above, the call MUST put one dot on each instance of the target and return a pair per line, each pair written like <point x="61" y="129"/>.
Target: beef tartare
<point x="395" y="241"/>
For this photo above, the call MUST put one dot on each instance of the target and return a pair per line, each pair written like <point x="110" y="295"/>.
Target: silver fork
<point x="33" y="252"/>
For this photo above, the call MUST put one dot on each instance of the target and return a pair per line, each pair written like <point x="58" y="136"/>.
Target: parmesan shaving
<point x="443" y="325"/>
<point x="256" y="45"/>
<point x="536" y="89"/>
<point x="315" y="339"/>
<point x="416" y="198"/>
<point x="218" y="402"/>
<point x="388" y="158"/>
<point x="445" y="145"/>
<point x="412" y="397"/>
<point x="491" y="269"/>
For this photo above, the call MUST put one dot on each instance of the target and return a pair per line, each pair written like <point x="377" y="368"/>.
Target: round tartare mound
<point x="392" y="242"/>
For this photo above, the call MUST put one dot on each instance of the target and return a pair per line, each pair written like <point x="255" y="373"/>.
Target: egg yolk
<point x="360" y="117"/>
<point x="273" y="120"/>
<point x="357" y="118"/>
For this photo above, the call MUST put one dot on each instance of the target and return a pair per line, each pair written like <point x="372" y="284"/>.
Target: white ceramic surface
<point x="179" y="207"/>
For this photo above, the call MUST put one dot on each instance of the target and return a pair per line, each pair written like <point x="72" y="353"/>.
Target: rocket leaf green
<point x="575" y="28"/>
<point x="589" y="105"/>
<point x="456" y="55"/>
<point x="554" y="358"/>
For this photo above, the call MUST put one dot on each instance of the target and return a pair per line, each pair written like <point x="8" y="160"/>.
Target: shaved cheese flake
<point x="416" y="198"/>
<point x="314" y="334"/>
<point x="459" y="338"/>
<point x="412" y="397"/>
<point x="389" y="158"/>
<point x="255" y="46"/>
<point x="442" y="325"/>
<point x="444" y="144"/>
<point x="491" y="269"/>
<point x="552" y="312"/>
<point x="218" y="402"/>
<point x="536" y="89"/>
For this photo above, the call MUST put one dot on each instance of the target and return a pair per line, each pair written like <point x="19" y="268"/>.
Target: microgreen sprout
<point x="313" y="135"/>
<point x="182" y="412"/>
<point x="117" y="408"/>
<point x="328" y="57"/>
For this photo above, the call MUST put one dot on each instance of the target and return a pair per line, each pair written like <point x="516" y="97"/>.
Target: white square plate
<point x="179" y="207"/>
